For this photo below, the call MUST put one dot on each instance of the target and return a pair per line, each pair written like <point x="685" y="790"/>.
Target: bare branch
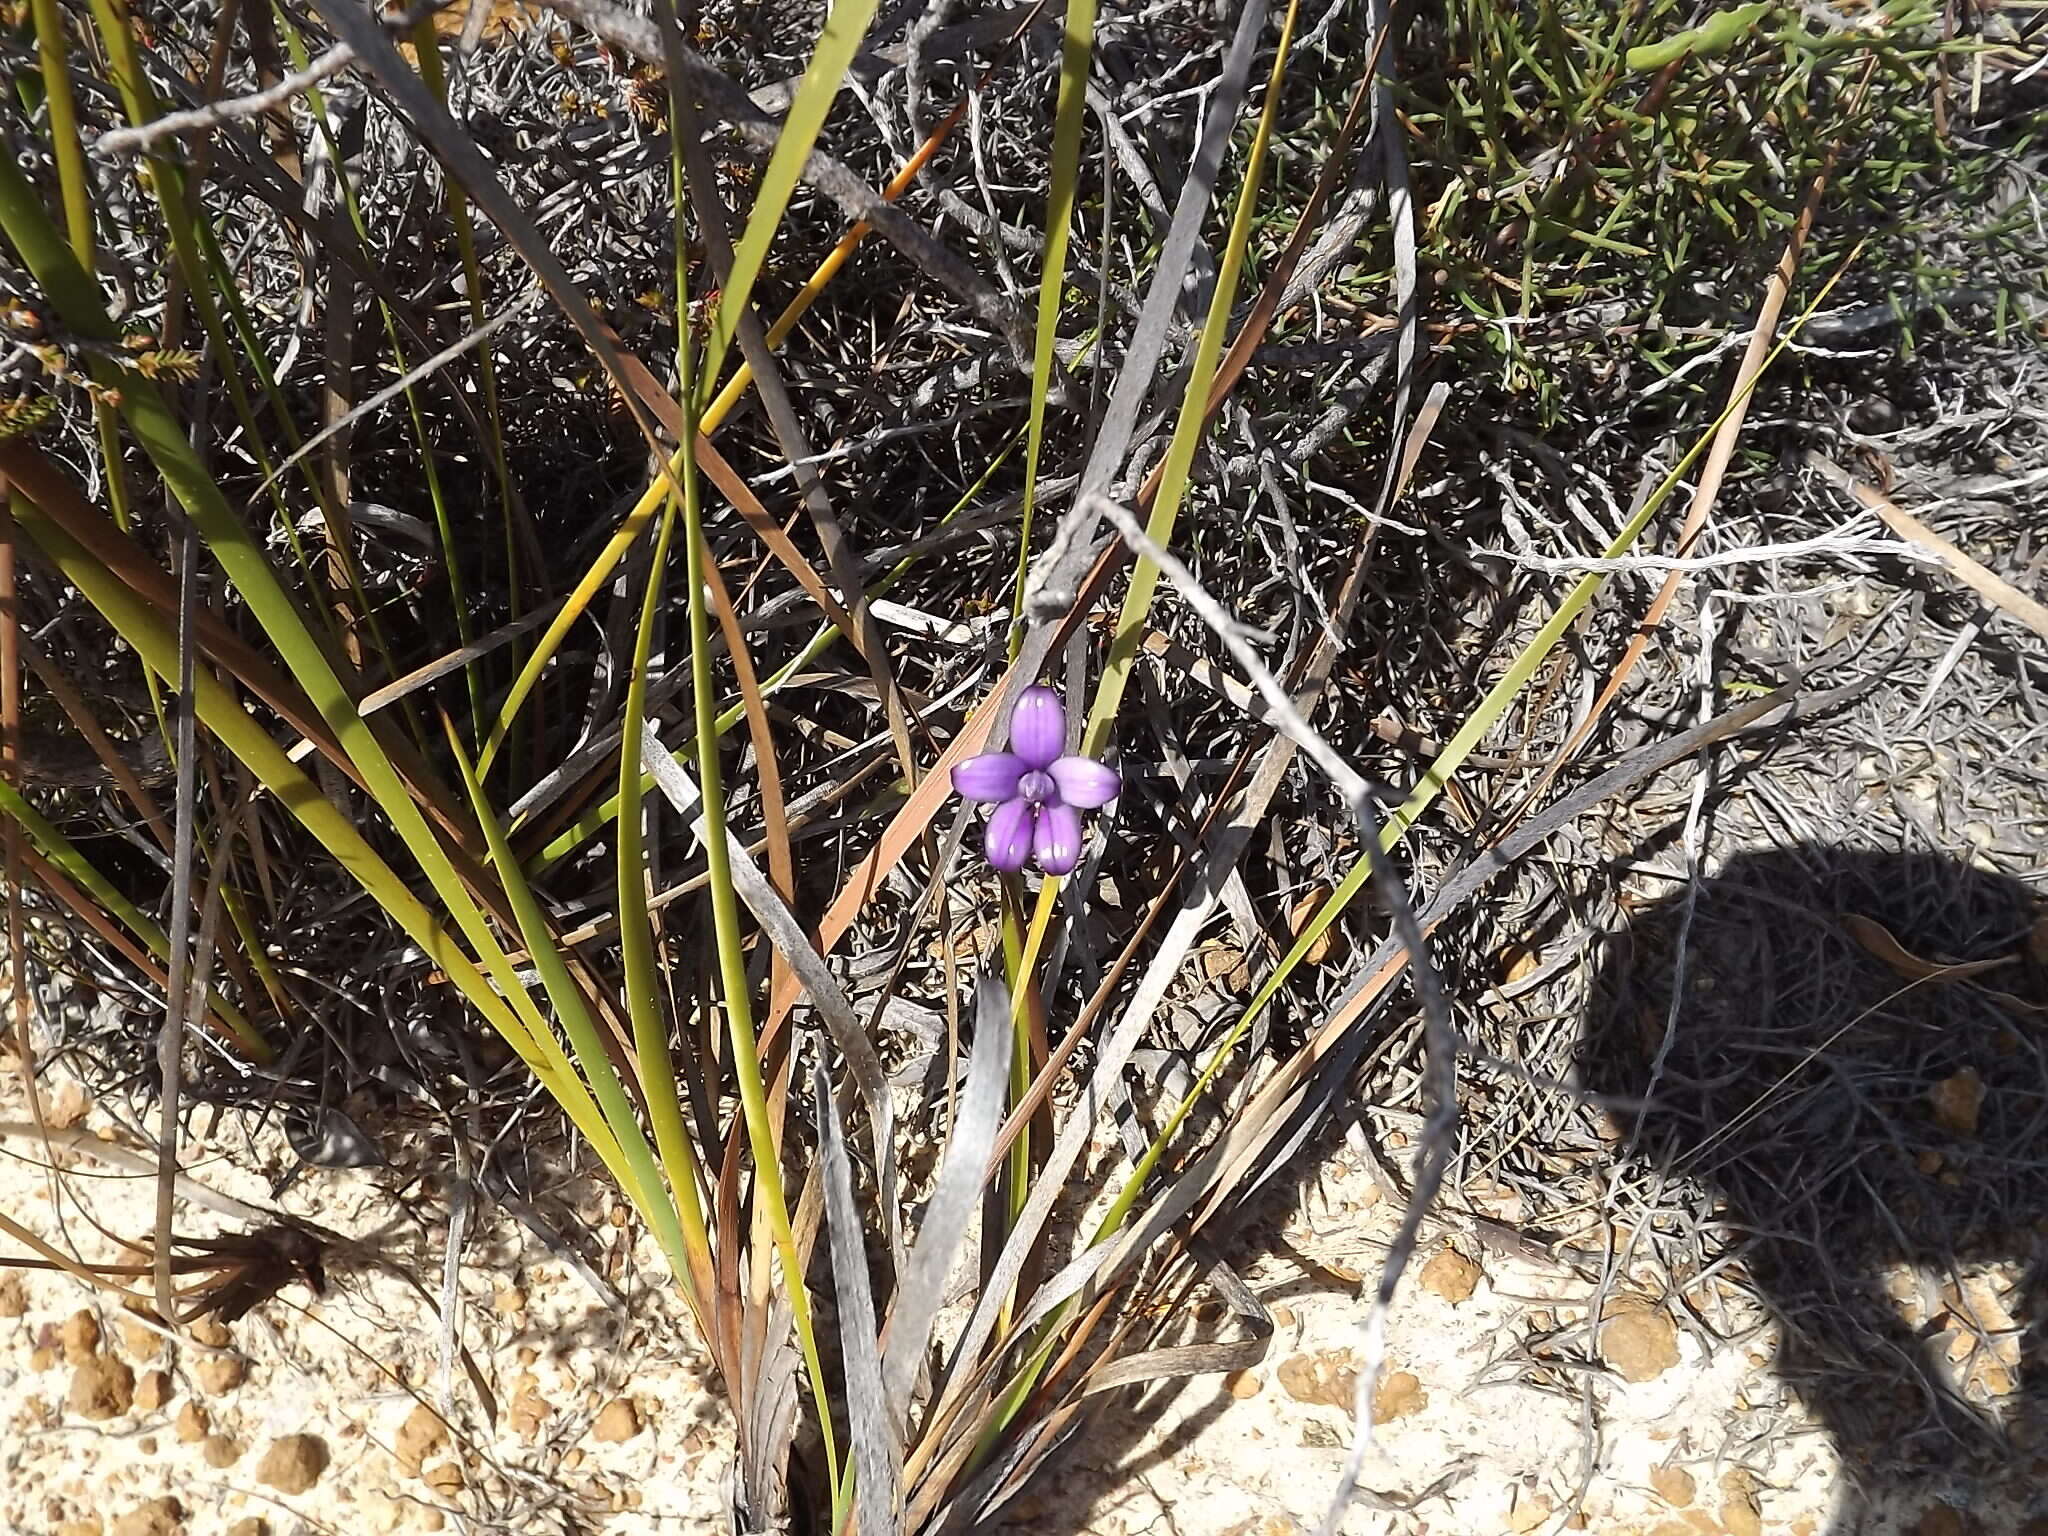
<point x="172" y="125"/>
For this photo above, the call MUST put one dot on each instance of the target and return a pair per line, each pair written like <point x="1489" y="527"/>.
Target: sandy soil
<point x="1507" y="1410"/>
<point x="325" y="1414"/>
<point x="603" y="1421"/>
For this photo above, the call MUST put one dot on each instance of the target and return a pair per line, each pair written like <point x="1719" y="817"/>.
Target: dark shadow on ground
<point x="1866" y="1134"/>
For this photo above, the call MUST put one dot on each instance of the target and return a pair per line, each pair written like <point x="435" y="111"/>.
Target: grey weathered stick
<point x="1052" y="585"/>
<point x="170" y="1049"/>
<point x="1282" y="714"/>
<point x="877" y="1442"/>
<point x="953" y="1199"/>
<point x="787" y="935"/>
<point x="120" y="1155"/>
<point x="131" y="141"/>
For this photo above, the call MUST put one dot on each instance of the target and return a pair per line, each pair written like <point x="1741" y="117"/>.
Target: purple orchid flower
<point x="1038" y="794"/>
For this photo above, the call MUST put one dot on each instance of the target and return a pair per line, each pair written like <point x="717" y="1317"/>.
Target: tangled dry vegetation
<point x="1534" y="402"/>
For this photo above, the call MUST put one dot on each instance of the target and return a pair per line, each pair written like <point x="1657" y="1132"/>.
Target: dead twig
<point x="146" y="136"/>
<point x="1981" y="579"/>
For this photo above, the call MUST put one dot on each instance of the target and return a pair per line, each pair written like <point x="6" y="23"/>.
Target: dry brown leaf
<point x="1877" y="939"/>
<point x="1330" y="942"/>
<point x="1517" y="962"/>
<point x="1225" y="963"/>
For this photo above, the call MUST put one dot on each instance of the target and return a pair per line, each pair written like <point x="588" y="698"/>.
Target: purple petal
<point x="991" y="776"/>
<point x="1038" y="730"/>
<point x="1084" y="782"/>
<point x="1009" y="835"/>
<point x="1057" y="842"/>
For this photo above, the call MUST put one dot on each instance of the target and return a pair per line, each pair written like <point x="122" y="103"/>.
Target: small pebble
<point x="444" y="1477"/>
<point x="1398" y="1396"/>
<point x="159" y="1517"/>
<point x="81" y="1337"/>
<point x="619" y="1421"/>
<point x="101" y="1388"/>
<point x="419" y="1437"/>
<point x="140" y="1340"/>
<point x="153" y="1391"/>
<point x="1451" y="1275"/>
<point x="293" y="1463"/>
<point x="220" y="1373"/>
